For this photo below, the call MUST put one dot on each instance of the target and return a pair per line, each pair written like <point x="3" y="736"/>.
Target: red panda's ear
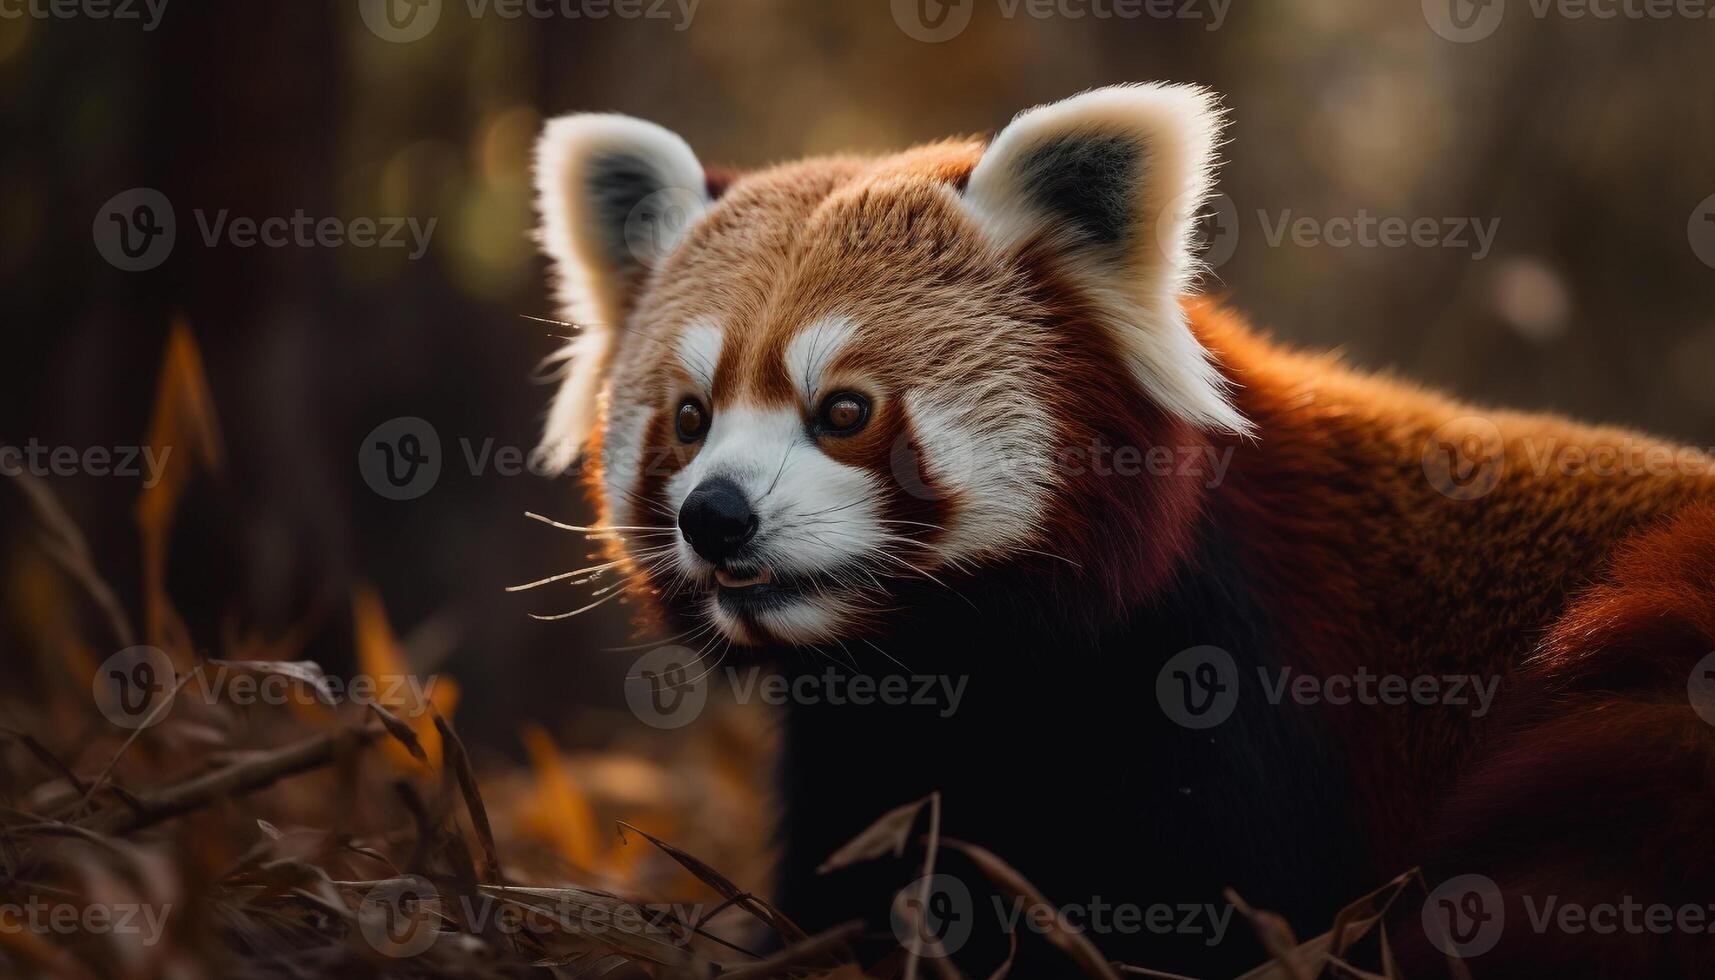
<point x="1108" y="184"/>
<point x="615" y="195"/>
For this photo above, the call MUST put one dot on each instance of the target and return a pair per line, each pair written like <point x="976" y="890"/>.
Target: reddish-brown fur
<point x="1589" y="595"/>
<point x="1595" y="784"/>
<point x="1368" y="564"/>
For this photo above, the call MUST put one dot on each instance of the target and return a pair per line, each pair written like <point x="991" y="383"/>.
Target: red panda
<point x="872" y="413"/>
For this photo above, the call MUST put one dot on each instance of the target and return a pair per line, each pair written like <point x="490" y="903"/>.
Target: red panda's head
<point x="827" y="379"/>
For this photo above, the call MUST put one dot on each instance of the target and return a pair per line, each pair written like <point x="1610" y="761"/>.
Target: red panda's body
<point x="951" y="413"/>
<point x="1331" y="548"/>
<point x="1368" y="561"/>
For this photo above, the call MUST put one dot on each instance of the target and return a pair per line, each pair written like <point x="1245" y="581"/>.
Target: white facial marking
<point x="988" y="448"/>
<point x="699" y="350"/>
<point x="806" y="622"/>
<point x="810" y="352"/>
<point x="731" y="625"/>
<point x="623" y="461"/>
<point x="815" y="516"/>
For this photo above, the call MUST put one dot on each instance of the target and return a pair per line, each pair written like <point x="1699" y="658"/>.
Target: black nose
<point x="716" y="519"/>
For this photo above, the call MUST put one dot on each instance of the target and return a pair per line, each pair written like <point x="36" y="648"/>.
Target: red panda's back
<point x="1400" y="532"/>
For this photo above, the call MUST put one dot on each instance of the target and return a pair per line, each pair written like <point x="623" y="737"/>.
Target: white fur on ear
<point x="1110" y="181"/>
<point x="615" y="194"/>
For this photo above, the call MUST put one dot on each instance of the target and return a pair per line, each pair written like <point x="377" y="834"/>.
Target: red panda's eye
<point x="691" y="421"/>
<point x="844" y="414"/>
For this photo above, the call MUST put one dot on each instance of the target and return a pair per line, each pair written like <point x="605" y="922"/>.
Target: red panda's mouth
<point x="729" y="580"/>
<point x="750" y="590"/>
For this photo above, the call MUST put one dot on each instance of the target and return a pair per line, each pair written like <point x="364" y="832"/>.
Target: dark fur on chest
<point x="1059" y="758"/>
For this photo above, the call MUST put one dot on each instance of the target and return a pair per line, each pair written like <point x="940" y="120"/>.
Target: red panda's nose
<point x="716" y="519"/>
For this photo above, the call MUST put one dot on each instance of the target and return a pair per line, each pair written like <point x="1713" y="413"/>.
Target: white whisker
<point x="578" y="611"/>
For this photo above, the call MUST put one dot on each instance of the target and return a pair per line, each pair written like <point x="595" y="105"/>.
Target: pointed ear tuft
<point x="1109" y="183"/>
<point x="615" y="195"/>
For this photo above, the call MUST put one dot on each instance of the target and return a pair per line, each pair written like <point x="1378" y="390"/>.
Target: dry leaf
<point x="887" y="836"/>
<point x="185" y="437"/>
<point x="1015" y="886"/>
<point x="776" y="920"/>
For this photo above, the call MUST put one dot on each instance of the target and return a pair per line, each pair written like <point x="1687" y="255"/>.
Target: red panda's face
<point x="841" y="375"/>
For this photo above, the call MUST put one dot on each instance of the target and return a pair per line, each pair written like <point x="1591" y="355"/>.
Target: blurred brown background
<point x="1591" y="141"/>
